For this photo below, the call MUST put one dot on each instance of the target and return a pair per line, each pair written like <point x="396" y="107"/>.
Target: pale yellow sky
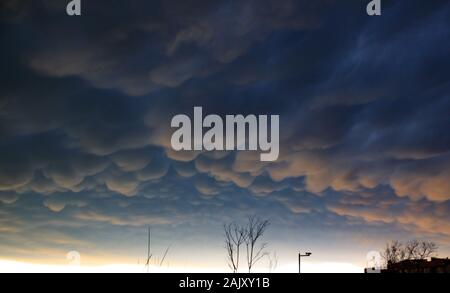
<point x="7" y="266"/>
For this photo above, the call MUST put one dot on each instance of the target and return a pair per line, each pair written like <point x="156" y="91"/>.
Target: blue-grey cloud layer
<point x="85" y="106"/>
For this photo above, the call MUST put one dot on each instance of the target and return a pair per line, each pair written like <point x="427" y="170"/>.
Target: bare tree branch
<point x="234" y="238"/>
<point x="255" y="230"/>
<point x="427" y="249"/>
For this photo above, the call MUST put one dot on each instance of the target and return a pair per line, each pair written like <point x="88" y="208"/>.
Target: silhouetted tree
<point x="424" y="249"/>
<point x="393" y="252"/>
<point x="396" y="251"/>
<point x="411" y="249"/>
<point x="255" y="230"/>
<point x="234" y="238"/>
<point x="249" y="234"/>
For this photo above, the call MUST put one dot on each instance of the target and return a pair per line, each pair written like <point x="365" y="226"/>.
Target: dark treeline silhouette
<point x="396" y="251"/>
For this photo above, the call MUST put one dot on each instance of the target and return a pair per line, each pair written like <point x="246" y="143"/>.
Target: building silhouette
<point x="435" y="265"/>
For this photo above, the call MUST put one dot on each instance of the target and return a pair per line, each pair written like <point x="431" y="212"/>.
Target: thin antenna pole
<point x="164" y="257"/>
<point x="148" y="245"/>
<point x="147" y="264"/>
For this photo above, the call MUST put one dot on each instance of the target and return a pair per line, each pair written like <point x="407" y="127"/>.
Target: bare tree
<point x="255" y="230"/>
<point x="411" y="249"/>
<point x="396" y="251"/>
<point x="230" y="254"/>
<point x="427" y="249"/>
<point x="234" y="238"/>
<point x="250" y="235"/>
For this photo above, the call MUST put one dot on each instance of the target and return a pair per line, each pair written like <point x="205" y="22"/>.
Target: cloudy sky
<point x="86" y="102"/>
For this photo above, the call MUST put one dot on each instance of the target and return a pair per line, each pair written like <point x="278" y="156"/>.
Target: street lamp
<point x="300" y="255"/>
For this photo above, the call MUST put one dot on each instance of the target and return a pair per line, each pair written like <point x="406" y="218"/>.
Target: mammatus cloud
<point x="422" y="218"/>
<point x="85" y="114"/>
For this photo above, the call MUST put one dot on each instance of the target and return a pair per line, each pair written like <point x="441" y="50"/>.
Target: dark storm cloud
<point x="86" y="103"/>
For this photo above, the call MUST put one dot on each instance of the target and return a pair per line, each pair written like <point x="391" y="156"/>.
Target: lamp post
<point x="300" y="255"/>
